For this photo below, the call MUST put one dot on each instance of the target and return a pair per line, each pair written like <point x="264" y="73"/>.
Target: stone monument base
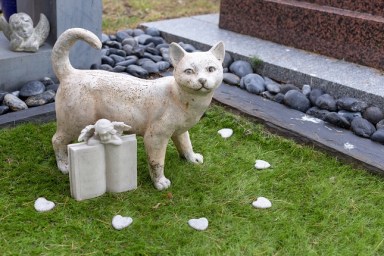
<point x="349" y="30"/>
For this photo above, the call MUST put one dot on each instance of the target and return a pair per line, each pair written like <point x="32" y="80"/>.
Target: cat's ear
<point x="176" y="53"/>
<point x="218" y="51"/>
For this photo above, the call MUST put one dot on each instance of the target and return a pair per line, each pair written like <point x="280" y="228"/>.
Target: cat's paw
<point x="63" y="167"/>
<point x="195" y="158"/>
<point x="162" y="183"/>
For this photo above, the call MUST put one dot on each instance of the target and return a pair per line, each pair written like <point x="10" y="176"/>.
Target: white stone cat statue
<point x="157" y="109"/>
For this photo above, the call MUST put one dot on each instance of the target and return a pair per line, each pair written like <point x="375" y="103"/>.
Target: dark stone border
<point x="39" y="114"/>
<point x="289" y="123"/>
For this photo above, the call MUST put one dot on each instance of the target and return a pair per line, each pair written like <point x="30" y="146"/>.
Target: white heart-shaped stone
<point x="119" y="222"/>
<point x="261" y="164"/>
<point x="43" y="205"/>
<point x="262" y="203"/>
<point x="225" y="133"/>
<point x="198" y="224"/>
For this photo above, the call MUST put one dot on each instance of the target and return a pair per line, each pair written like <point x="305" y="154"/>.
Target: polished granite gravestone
<point x="17" y="68"/>
<point x="348" y="30"/>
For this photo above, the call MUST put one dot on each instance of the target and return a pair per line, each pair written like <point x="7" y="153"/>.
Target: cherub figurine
<point x="21" y="33"/>
<point x="104" y="131"/>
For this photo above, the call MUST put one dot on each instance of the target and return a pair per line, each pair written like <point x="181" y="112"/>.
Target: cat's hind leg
<point x="185" y="149"/>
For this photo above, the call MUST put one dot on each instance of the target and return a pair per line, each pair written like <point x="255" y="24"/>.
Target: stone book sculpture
<point x="106" y="162"/>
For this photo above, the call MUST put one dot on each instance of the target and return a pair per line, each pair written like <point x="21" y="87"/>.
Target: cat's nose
<point x="202" y="81"/>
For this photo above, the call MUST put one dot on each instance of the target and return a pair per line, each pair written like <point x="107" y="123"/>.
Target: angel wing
<point x="4" y="26"/>
<point x="42" y="29"/>
<point x="120" y="127"/>
<point x="87" y="133"/>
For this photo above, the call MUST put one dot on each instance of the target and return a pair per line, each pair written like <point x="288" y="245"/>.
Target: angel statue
<point x="103" y="131"/>
<point x="23" y="37"/>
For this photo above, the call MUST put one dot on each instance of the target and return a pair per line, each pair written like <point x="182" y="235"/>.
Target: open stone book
<point x="100" y="168"/>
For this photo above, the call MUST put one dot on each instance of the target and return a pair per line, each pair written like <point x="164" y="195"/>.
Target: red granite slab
<point x="374" y="7"/>
<point x="343" y="34"/>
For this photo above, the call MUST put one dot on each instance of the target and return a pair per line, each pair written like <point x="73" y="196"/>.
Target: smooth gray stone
<point x="126" y="62"/>
<point x="113" y="44"/>
<point x="378" y="136"/>
<point x="143" y="60"/>
<point x="231" y="79"/>
<point x="362" y="127"/>
<point x="105" y="52"/>
<point x="351" y="104"/>
<point x="380" y="124"/>
<point x="129" y="41"/>
<point x="4" y="109"/>
<point x="104" y="38"/>
<point x="306" y="90"/>
<point x="349" y="115"/>
<point x="226" y="70"/>
<point x="317" y="112"/>
<point x="271" y="85"/>
<point x="107" y="60"/>
<point x="119" y="69"/>
<point x="121" y="35"/>
<point x="137" y="32"/>
<point x="296" y="100"/>
<point x="338" y="120"/>
<point x="161" y="46"/>
<point x="32" y="88"/>
<point x="118" y="52"/>
<point x="117" y="58"/>
<point x="314" y="94"/>
<point x="156" y="40"/>
<point x="15" y="93"/>
<point x="94" y="66"/>
<point x="14" y="103"/>
<point x="138" y="51"/>
<point x="227" y="60"/>
<point x="106" y="67"/>
<point x="153" y="57"/>
<point x="41" y="99"/>
<point x="279" y="98"/>
<point x="163" y="65"/>
<point x="152" y="31"/>
<point x="129" y="31"/>
<point x="150" y="66"/>
<point x="128" y="49"/>
<point x="47" y="81"/>
<point x="327" y="102"/>
<point x="141" y="38"/>
<point x="373" y="114"/>
<point x="187" y="47"/>
<point x="253" y="83"/>
<point x="137" y="71"/>
<point x="241" y="68"/>
<point x="284" y="88"/>
<point x="153" y="50"/>
<point x="112" y="37"/>
<point x="53" y="87"/>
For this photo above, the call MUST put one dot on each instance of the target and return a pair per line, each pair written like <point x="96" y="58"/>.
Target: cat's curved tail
<point x="60" y="52"/>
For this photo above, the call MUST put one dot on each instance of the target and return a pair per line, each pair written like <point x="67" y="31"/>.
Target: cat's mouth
<point x="203" y="89"/>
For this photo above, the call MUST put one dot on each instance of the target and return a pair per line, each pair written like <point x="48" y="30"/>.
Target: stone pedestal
<point x="16" y="68"/>
<point x="349" y="30"/>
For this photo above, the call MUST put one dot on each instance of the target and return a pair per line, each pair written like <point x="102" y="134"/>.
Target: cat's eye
<point x="188" y="71"/>
<point x="211" y="69"/>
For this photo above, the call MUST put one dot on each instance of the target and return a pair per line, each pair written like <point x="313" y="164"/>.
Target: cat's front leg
<point x="184" y="147"/>
<point x="156" y="146"/>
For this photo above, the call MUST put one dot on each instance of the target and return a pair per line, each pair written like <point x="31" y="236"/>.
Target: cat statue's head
<point x="198" y="72"/>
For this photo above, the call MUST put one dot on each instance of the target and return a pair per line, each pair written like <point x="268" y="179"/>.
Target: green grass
<point x="123" y="14"/>
<point x="320" y="206"/>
